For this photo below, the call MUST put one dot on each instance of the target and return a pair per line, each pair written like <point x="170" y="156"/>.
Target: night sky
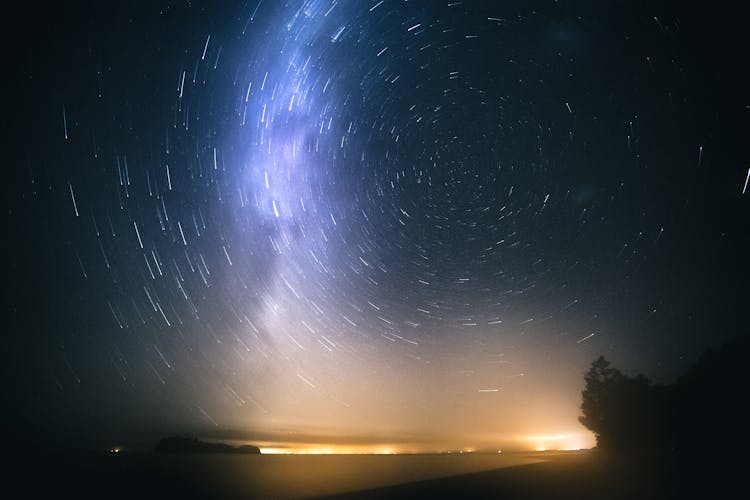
<point x="364" y="221"/>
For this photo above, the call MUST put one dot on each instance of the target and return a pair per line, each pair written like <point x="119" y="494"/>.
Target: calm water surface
<point x="301" y="476"/>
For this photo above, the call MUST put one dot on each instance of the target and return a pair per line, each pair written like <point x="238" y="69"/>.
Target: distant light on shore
<point x="566" y="440"/>
<point x="329" y="449"/>
<point x="558" y="442"/>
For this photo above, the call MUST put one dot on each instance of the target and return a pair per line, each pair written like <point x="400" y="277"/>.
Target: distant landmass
<point x="182" y="444"/>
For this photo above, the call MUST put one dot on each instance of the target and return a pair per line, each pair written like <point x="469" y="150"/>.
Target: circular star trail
<point x="386" y="217"/>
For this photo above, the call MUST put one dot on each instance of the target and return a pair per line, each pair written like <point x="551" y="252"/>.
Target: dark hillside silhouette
<point x="180" y="444"/>
<point x="711" y="401"/>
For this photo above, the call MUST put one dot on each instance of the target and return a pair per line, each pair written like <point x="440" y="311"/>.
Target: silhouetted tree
<point x="624" y="413"/>
<point x="597" y="397"/>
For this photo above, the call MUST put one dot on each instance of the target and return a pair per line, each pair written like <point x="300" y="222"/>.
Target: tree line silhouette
<point x="698" y="420"/>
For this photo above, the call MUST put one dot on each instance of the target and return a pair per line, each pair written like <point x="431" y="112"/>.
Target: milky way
<point x="370" y="216"/>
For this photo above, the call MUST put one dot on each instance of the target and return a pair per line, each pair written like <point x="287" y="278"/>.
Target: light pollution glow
<point x="544" y="442"/>
<point x="409" y="221"/>
<point x="324" y="260"/>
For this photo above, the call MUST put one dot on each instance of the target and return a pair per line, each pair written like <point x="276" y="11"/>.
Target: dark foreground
<point x="578" y="475"/>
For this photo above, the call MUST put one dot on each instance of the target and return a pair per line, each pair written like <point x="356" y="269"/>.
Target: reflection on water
<point x="300" y="476"/>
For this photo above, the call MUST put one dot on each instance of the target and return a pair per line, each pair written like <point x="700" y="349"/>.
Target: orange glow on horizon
<point x="533" y="442"/>
<point x="558" y="442"/>
<point x="329" y="449"/>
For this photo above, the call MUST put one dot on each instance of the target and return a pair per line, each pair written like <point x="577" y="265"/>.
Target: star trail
<point x="415" y="220"/>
